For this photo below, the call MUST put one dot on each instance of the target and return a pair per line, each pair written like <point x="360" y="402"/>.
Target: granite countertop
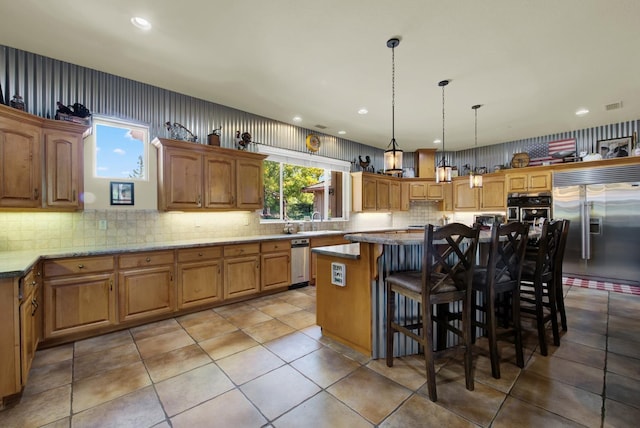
<point x="346" y="251"/>
<point x="400" y="238"/>
<point x="17" y="263"/>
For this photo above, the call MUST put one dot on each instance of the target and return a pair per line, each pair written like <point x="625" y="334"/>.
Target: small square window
<point x="121" y="150"/>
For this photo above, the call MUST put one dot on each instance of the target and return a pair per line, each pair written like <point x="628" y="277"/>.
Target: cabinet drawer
<point x="241" y="249"/>
<point x="78" y="265"/>
<point x="146" y="259"/>
<point x="269" y="247"/>
<point x="196" y="254"/>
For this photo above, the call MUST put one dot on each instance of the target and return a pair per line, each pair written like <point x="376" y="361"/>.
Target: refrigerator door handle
<point x="585" y="221"/>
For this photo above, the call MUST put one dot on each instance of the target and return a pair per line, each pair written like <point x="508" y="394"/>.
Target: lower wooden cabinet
<point x="275" y="265"/>
<point x="145" y="285"/>
<point x="241" y="270"/>
<point x="79" y="295"/>
<point x="199" y="276"/>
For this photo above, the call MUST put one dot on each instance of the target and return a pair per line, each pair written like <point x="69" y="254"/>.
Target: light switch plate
<point x="338" y="274"/>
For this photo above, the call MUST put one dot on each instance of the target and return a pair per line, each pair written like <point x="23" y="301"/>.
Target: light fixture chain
<point x="393" y="93"/>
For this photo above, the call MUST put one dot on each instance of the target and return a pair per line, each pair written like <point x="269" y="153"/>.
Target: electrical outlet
<point x="102" y="224"/>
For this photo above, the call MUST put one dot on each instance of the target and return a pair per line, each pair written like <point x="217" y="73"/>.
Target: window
<point x="298" y="186"/>
<point x="121" y="149"/>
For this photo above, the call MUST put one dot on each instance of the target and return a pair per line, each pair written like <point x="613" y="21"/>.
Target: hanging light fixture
<point x="475" y="179"/>
<point x="443" y="172"/>
<point x="393" y="155"/>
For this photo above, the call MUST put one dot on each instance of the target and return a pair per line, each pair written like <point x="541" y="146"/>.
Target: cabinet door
<point x="182" y="180"/>
<point x="78" y="304"/>
<point x="464" y="197"/>
<point x="435" y="192"/>
<point x="249" y="184"/>
<point x="241" y="276"/>
<point x="20" y="165"/>
<point x="199" y="283"/>
<point x="492" y="193"/>
<point x="516" y="182"/>
<point x="27" y="350"/>
<point x="382" y="195"/>
<point x="418" y="191"/>
<point x="404" y="197"/>
<point x="63" y="169"/>
<point x="395" y="196"/>
<point x="146" y="292"/>
<point x="275" y="270"/>
<point x="369" y="192"/>
<point x="220" y="182"/>
<point x="539" y="181"/>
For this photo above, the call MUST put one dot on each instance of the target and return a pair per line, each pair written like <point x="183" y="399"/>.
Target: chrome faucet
<point x="313" y="216"/>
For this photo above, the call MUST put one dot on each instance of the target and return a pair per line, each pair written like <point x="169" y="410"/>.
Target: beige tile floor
<point x="265" y="363"/>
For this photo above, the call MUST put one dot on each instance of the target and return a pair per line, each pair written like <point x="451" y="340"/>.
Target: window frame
<point x="125" y="124"/>
<point x="284" y="156"/>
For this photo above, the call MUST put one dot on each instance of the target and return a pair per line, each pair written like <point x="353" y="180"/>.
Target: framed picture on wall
<point x="121" y="193"/>
<point x="615" y="147"/>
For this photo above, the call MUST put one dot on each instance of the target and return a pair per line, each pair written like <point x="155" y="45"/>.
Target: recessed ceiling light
<point x="297" y="119"/>
<point x="363" y="111"/>
<point x="582" y="112"/>
<point x="342" y="132"/>
<point x="437" y="141"/>
<point x="141" y="23"/>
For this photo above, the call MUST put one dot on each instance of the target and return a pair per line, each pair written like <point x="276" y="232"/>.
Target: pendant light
<point x="475" y="179"/>
<point x="443" y="172"/>
<point x="393" y="155"/>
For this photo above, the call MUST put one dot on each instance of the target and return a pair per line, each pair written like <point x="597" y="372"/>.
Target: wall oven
<point x="528" y="208"/>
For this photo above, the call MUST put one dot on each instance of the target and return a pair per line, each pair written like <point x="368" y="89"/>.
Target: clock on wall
<point x="313" y="142"/>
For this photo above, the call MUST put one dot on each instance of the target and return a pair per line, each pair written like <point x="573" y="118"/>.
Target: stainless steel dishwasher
<point x="300" y="257"/>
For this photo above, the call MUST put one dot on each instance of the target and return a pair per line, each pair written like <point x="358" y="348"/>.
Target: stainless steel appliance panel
<point x="604" y="230"/>
<point x="300" y="261"/>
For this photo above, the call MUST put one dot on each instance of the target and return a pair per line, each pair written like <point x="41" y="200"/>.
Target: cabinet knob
<point x="148" y="259"/>
<point x="80" y="266"/>
<point x="199" y="254"/>
<point x="35" y="194"/>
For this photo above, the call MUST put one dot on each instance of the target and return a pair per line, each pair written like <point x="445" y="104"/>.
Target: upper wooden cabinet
<point x="464" y="197"/>
<point x="531" y="181"/>
<point x="425" y="162"/>
<point x="195" y="176"/>
<point x="420" y="190"/>
<point x="375" y="192"/>
<point x="492" y="193"/>
<point x="30" y="145"/>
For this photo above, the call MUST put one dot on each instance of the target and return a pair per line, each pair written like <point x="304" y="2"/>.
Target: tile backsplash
<point x="56" y="230"/>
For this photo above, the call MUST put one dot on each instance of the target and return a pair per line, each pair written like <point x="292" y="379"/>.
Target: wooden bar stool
<point x="447" y="271"/>
<point x="538" y="285"/>
<point x="500" y="278"/>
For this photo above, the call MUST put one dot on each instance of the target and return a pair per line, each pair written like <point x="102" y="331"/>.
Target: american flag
<point x="543" y="152"/>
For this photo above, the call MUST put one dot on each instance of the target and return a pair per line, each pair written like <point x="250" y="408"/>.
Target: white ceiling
<point x="531" y="64"/>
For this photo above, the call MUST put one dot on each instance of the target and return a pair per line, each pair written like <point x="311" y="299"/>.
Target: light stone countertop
<point x="17" y="263"/>
<point x="345" y="251"/>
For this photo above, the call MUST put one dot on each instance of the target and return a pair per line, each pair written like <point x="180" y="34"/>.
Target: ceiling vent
<point x="321" y="127"/>
<point x="613" y="106"/>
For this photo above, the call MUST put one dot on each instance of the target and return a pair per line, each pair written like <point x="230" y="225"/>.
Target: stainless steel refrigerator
<point x="603" y="206"/>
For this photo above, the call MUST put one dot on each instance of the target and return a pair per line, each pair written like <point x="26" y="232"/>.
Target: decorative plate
<point x="520" y="160"/>
<point x="313" y="142"/>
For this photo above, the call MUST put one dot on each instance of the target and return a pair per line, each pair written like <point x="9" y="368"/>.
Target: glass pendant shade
<point x="475" y="180"/>
<point x="393" y="159"/>
<point x="443" y="173"/>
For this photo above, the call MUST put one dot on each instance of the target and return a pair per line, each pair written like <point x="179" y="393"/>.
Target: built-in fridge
<point x="603" y="206"/>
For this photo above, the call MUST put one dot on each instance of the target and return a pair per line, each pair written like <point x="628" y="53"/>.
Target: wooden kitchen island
<point x="354" y="314"/>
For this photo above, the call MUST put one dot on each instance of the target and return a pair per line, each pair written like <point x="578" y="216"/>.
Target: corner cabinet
<point x="197" y="177"/>
<point x="33" y="148"/>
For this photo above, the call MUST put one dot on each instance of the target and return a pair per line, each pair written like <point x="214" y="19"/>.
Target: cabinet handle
<point x="199" y="200"/>
<point x="80" y="266"/>
<point x="111" y="285"/>
<point x="171" y="277"/>
<point x="218" y="270"/>
<point x="148" y="259"/>
<point x="258" y="265"/>
<point x="199" y="254"/>
<point x="35" y="193"/>
<point x="233" y="200"/>
<point x="34" y="304"/>
<point x="74" y="195"/>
